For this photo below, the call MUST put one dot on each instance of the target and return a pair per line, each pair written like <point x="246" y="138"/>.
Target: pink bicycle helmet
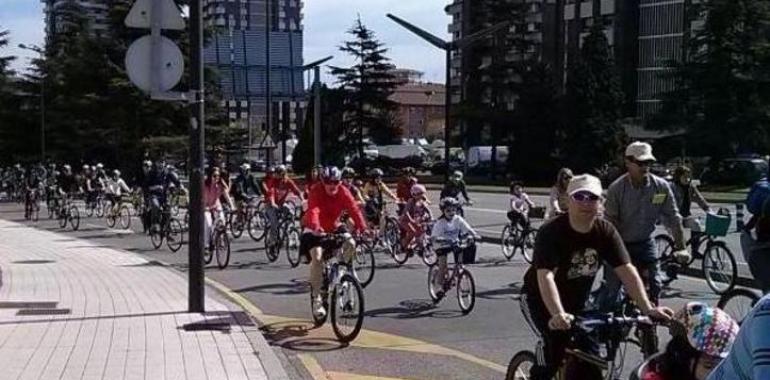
<point x="708" y="329"/>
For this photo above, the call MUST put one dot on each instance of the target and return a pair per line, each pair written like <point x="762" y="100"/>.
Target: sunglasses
<point x="642" y="163"/>
<point x="585" y="197"/>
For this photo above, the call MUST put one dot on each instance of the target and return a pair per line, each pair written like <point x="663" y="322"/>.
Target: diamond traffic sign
<point x="140" y="15"/>
<point x="140" y="68"/>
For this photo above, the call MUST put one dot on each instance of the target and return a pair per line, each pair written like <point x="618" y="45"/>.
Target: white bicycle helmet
<point x="418" y="190"/>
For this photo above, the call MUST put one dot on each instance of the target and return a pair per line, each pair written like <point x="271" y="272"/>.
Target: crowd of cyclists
<point x="587" y="229"/>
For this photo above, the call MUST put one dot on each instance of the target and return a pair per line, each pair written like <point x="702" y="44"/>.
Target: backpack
<point x="756" y="198"/>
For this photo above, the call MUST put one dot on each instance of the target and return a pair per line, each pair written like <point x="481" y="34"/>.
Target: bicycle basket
<point x="537" y="212"/>
<point x="717" y="225"/>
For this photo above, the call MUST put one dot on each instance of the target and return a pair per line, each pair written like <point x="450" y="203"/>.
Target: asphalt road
<point x="405" y="336"/>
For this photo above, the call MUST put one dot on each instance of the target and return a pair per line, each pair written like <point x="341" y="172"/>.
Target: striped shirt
<point x="749" y="358"/>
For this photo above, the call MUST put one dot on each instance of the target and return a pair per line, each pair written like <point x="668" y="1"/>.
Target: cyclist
<point x="748" y="357"/>
<point x="416" y="213"/>
<point x="155" y="193"/>
<point x="404" y="187"/>
<point x="115" y="187"/>
<point x="755" y="237"/>
<point x="374" y="189"/>
<point x="558" y="199"/>
<point x="685" y="192"/>
<point x="214" y="189"/>
<point x="278" y="190"/>
<point x="454" y="188"/>
<point x="244" y="184"/>
<point x="635" y="202"/>
<point x="88" y="181"/>
<point x="313" y="177"/>
<point x="447" y="229"/>
<point x="567" y="255"/>
<point x="269" y="176"/>
<point x="32" y="185"/>
<point x="326" y="205"/>
<point x="701" y="337"/>
<point x="520" y="204"/>
<point x="348" y="179"/>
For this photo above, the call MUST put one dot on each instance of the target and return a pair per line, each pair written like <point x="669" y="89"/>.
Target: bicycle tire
<point x="363" y="267"/>
<point x="175" y="236"/>
<point x="466" y="306"/>
<point x="507" y="242"/>
<point x="669" y="268"/>
<point x="273" y="251"/>
<point x="713" y="259"/>
<point x="257" y="226"/>
<point x="236" y="225"/>
<point x="63" y="217"/>
<point x="738" y="302"/>
<point x="337" y="297"/>
<point x="110" y="219"/>
<point x="124" y="215"/>
<point x="74" y="217"/>
<point x="222" y="248"/>
<point x="292" y="246"/>
<point x="433" y="290"/>
<point x="520" y="366"/>
<point x="156" y="237"/>
<point x="100" y="208"/>
<point x="527" y="245"/>
<point x="429" y="256"/>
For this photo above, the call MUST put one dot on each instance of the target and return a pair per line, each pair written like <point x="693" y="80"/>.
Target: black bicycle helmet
<point x="376" y="173"/>
<point x="348" y="172"/>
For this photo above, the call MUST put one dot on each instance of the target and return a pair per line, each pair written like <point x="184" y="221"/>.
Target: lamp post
<point x="448" y="47"/>
<point x="316" y="66"/>
<point x="40" y="51"/>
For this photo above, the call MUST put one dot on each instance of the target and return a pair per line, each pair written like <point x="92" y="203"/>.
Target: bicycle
<point x="717" y="261"/>
<point x="287" y="236"/>
<point x="390" y="235"/>
<point x="32" y="206"/>
<point x="256" y="222"/>
<point x="239" y="219"/>
<point x="422" y="246"/>
<point x="219" y="242"/>
<point x="514" y="238"/>
<point x="69" y="213"/>
<point x="342" y="290"/>
<point x="164" y="227"/>
<point x="458" y="276"/>
<point x="118" y="211"/>
<point x="364" y="263"/>
<point x="608" y="330"/>
<point x="738" y="302"/>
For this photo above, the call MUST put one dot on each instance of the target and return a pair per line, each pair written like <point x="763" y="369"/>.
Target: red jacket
<point x="278" y="190"/>
<point x="324" y="210"/>
<point x="404" y="189"/>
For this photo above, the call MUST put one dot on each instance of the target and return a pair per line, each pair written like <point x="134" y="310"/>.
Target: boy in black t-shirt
<point x="568" y="253"/>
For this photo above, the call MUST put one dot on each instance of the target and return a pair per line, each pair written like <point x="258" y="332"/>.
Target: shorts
<point x="309" y="241"/>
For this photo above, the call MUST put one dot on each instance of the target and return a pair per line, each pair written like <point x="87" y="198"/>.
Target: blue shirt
<point x="749" y="358"/>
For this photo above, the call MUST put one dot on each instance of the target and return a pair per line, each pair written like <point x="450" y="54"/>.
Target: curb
<point x="689" y="271"/>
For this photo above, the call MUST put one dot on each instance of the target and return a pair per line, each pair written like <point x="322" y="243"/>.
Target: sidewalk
<point x="70" y="309"/>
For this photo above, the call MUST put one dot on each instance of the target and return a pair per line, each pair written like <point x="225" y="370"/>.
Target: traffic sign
<point x="140" y="69"/>
<point x="140" y="15"/>
<point x="267" y="142"/>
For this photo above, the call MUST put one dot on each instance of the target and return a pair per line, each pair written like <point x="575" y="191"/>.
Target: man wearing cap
<point x="568" y="253"/>
<point x="635" y="202"/>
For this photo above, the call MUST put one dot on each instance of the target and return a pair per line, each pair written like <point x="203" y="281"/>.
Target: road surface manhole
<point x="225" y="327"/>
<point x="43" y="312"/>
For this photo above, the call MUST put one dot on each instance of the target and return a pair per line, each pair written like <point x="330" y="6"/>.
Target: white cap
<point x="640" y="151"/>
<point x="245" y="166"/>
<point x="585" y="182"/>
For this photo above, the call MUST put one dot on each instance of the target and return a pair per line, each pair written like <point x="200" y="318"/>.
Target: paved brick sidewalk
<point x="70" y="309"/>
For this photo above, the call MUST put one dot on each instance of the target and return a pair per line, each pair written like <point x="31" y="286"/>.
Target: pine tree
<point x="594" y="101"/>
<point x="368" y="84"/>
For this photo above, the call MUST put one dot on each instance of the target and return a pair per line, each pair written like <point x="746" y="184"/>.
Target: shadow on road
<point x="688" y="295"/>
<point x="411" y="309"/>
<point x="292" y="288"/>
<point x="513" y="289"/>
<point x="293" y="335"/>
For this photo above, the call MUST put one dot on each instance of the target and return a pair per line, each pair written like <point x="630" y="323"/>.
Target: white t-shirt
<point x="117" y="187"/>
<point x="448" y="230"/>
<point x="520" y="202"/>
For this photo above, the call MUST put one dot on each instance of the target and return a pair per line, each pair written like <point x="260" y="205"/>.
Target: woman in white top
<point x="115" y="187"/>
<point x="520" y="204"/>
<point x="559" y="197"/>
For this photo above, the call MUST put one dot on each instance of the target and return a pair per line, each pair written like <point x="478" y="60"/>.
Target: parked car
<point x="736" y="172"/>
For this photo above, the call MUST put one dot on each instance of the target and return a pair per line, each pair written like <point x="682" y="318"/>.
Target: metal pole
<point x="268" y="89"/>
<point x="447" y="105"/>
<point x="196" y="302"/>
<point x="42" y="118"/>
<point x="317" y="115"/>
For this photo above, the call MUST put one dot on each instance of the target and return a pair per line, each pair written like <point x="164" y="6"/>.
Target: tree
<point x="9" y="131"/>
<point x="594" y="103"/>
<point x="368" y="85"/>
<point x="722" y="99"/>
<point x="334" y="150"/>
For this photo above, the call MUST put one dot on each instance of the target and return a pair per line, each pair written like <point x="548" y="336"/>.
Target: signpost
<point x="155" y="65"/>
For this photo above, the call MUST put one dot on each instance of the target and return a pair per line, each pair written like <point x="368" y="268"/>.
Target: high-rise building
<point x="252" y="36"/>
<point x="96" y="11"/>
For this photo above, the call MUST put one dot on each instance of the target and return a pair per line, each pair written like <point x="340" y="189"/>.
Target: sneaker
<point x="318" y="308"/>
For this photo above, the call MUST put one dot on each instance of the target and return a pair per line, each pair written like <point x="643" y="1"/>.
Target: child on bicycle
<point x="520" y="205"/>
<point x="701" y="339"/>
<point x="214" y="188"/>
<point x="448" y="229"/>
<point x="416" y="213"/>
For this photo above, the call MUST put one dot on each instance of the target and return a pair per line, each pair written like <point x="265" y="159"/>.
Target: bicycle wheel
<point x="527" y="245"/>
<point x="348" y="308"/>
<point x="507" y="242"/>
<point x="222" y="247"/>
<point x="156" y="236"/>
<point x="466" y="291"/>
<point x="74" y="217"/>
<point x="175" y="236"/>
<point x="429" y="256"/>
<point x="719" y="267"/>
<point x="257" y="226"/>
<point x="521" y="366"/>
<point x="208" y="254"/>
<point x="101" y="208"/>
<point x="273" y="250"/>
<point x="125" y="217"/>
<point x="292" y="246"/>
<point x="363" y="264"/>
<point x="236" y="224"/>
<point x="738" y="303"/>
<point x="392" y="234"/>
<point x="111" y="219"/>
<point x="669" y="268"/>
<point x="433" y="289"/>
<point x="63" y="217"/>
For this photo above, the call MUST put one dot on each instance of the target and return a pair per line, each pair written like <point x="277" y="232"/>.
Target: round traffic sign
<point x="139" y="64"/>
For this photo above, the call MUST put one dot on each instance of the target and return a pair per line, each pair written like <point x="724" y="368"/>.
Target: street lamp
<point x="316" y="66"/>
<point x="448" y="47"/>
<point x="40" y="51"/>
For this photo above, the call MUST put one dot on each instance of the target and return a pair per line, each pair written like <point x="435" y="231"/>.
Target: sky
<point x="326" y="23"/>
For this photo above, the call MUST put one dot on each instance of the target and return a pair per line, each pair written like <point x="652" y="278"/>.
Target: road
<point x="405" y="336"/>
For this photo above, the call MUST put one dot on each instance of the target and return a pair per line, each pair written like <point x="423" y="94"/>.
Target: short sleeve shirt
<point x="575" y="258"/>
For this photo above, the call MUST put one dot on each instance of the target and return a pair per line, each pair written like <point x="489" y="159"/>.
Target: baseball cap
<point x="585" y="182"/>
<point x="640" y="151"/>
